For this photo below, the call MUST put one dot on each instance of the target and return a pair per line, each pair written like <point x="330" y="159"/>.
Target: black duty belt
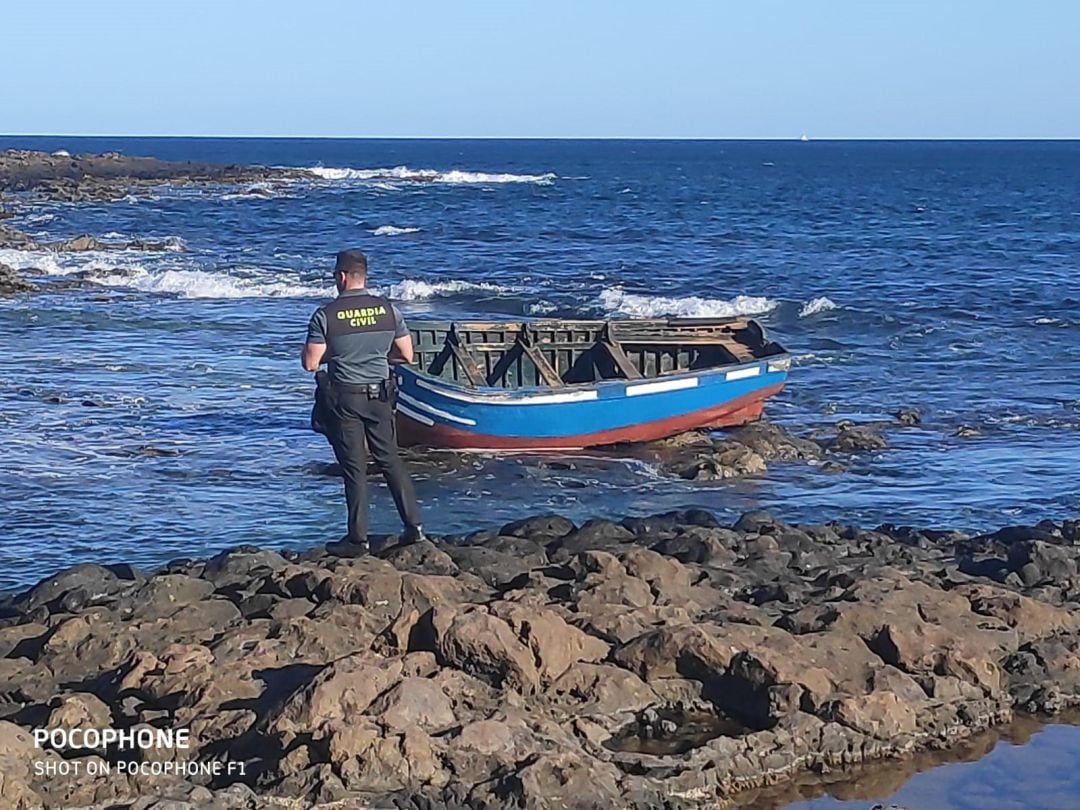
<point x="379" y="390"/>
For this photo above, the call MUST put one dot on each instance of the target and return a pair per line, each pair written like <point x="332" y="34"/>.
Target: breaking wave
<point x="400" y="174"/>
<point x="618" y="302"/>
<point x="393" y="230"/>
<point x="256" y="191"/>
<point x="45" y="262"/>
<point x="417" y="290"/>
<point x="134" y="271"/>
<point x="120" y="270"/>
<point x="816" y="305"/>
<point x="208" y="284"/>
<point x="542" y="307"/>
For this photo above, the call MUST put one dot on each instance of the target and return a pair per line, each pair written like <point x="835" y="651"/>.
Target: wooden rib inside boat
<point x="558" y="353"/>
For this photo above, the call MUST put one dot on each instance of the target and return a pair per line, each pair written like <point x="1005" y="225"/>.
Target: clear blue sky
<point x="755" y="68"/>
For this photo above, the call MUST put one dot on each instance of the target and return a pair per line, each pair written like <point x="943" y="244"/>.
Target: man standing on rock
<point x="357" y="335"/>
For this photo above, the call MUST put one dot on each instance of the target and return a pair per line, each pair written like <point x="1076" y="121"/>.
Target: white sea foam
<point x="541" y="308"/>
<point x="412" y="289"/>
<point x="618" y="302"/>
<point x="256" y="191"/>
<point x="208" y="284"/>
<point x="34" y="219"/>
<point x="816" y="305"/>
<point x="124" y="269"/>
<point x="393" y="230"/>
<point x="452" y="177"/>
<point x="42" y="261"/>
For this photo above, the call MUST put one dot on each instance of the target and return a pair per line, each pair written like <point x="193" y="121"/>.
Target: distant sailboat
<point x="803" y="138"/>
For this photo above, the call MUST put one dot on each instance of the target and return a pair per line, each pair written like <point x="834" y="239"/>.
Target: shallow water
<point x="160" y="410"/>
<point x="1026" y="766"/>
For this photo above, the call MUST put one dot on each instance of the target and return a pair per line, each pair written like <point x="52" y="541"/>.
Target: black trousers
<point x="359" y="419"/>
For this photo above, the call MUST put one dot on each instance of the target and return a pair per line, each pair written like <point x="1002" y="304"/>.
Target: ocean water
<point x="160" y="410"/>
<point x="1022" y="766"/>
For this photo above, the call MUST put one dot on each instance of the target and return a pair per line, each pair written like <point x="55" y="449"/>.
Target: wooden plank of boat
<point x="547" y="373"/>
<point x="622" y="362"/>
<point x="465" y="360"/>
<point x="566" y="385"/>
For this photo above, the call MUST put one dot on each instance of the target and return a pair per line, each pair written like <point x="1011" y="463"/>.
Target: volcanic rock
<point x="663" y="659"/>
<point x="12" y="283"/>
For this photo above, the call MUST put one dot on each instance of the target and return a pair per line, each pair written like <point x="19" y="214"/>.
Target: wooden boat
<point x="560" y="385"/>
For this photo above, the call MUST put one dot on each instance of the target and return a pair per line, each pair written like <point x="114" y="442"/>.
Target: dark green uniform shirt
<point x="358" y="329"/>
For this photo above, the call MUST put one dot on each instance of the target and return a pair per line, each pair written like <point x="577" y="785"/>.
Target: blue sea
<point x="160" y="410"/>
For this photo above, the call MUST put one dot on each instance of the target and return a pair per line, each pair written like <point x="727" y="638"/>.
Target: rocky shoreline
<point x="655" y="662"/>
<point x="61" y="177"/>
<point x="29" y="177"/>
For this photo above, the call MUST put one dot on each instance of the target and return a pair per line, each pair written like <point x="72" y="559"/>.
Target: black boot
<point x="347" y="548"/>
<point x="412" y="534"/>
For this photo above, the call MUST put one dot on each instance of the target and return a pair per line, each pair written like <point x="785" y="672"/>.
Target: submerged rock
<point x="664" y="659"/>
<point x="112" y="176"/>
<point x="699" y="456"/>
<point x="11" y="282"/>
<point x="908" y="416"/>
<point x="852" y="438"/>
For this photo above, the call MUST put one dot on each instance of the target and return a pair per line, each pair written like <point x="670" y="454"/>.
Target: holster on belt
<point x="381" y="391"/>
<point x="322" y="413"/>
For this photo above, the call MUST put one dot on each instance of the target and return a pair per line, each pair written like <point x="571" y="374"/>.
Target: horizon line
<point x="704" y="138"/>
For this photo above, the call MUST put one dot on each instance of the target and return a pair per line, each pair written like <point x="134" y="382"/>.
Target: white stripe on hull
<point x="743" y="373"/>
<point x="660" y="387"/>
<point x="423" y="420"/>
<point x="542" y="399"/>
<point x="423" y="406"/>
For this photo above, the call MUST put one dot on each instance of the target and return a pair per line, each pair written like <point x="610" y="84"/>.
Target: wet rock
<point x="540" y="525"/>
<point x="11" y="282"/>
<point x="908" y="416"/>
<point x="593" y="535"/>
<point x="698" y="456"/>
<point x="852" y="438"/>
<point x="163" y="595"/>
<point x="79" y="244"/>
<point x="110" y="176"/>
<point x="723" y="460"/>
<point x="240" y="566"/>
<point x="772" y="442"/>
<point x="85" y="584"/>
<point x="14" y="239"/>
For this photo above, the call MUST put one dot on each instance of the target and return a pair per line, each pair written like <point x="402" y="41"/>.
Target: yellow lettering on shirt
<point x="366" y="314"/>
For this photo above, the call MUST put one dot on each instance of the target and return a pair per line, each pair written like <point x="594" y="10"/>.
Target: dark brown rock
<point x="523" y="668"/>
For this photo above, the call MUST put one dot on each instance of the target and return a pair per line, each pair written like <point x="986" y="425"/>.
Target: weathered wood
<point x="492" y="353"/>
<point x="547" y="373"/>
<point x="465" y="360"/>
<point x="622" y="362"/>
<point x="505" y="364"/>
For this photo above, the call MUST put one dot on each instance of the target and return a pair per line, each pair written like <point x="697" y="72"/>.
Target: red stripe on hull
<point x="731" y="414"/>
